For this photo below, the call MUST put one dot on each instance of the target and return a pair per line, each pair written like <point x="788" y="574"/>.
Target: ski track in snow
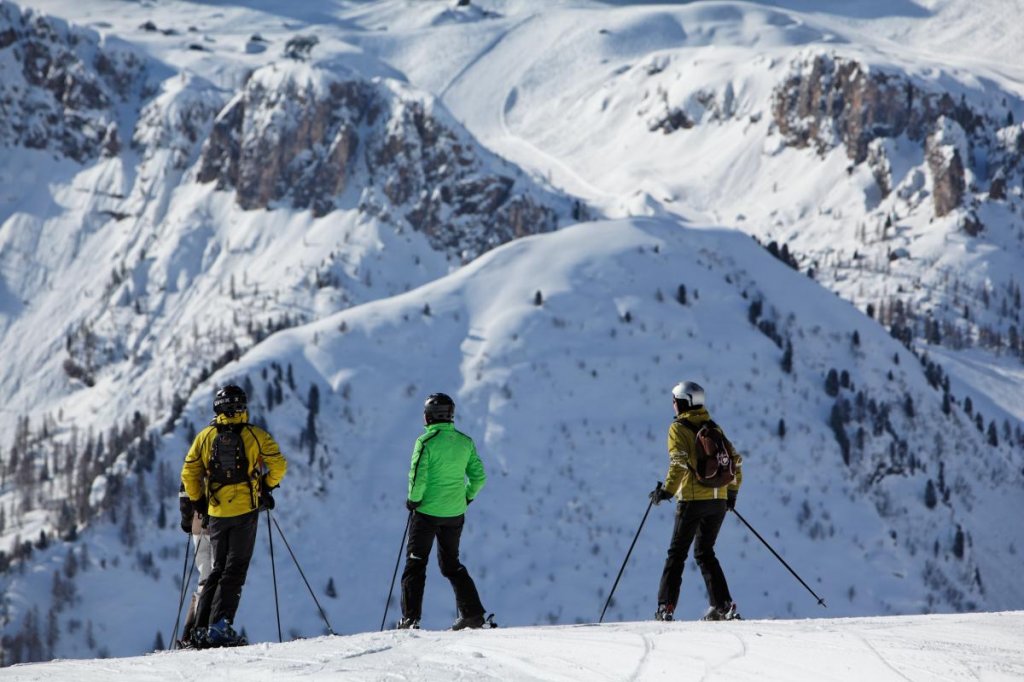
<point x="483" y="53"/>
<point x="784" y="650"/>
<point x="648" y="650"/>
<point x="880" y="657"/>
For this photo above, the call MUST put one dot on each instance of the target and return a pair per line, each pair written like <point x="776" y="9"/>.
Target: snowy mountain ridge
<point x="303" y="227"/>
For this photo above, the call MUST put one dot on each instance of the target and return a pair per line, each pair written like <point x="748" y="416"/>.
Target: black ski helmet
<point x="439" y="407"/>
<point x="229" y="400"/>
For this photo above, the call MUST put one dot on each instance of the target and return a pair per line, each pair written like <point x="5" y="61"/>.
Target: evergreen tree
<point x="330" y="591"/>
<point x="958" y="543"/>
<point x="968" y="406"/>
<point x="52" y="632"/>
<point x="158" y="643"/>
<point x="993" y="434"/>
<point x="681" y="294"/>
<point x="782" y="428"/>
<point x="538" y="298"/>
<point x="787" y="358"/>
<point x="754" y="311"/>
<point x="129" y="535"/>
<point x="832" y="383"/>
<point x="70" y="564"/>
<point x="931" y="498"/>
<point x="908" y="406"/>
<point x="836" y="422"/>
<point x="314" y="408"/>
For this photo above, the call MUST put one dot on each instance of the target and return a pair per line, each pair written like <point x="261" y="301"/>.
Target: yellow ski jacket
<point x="261" y="451"/>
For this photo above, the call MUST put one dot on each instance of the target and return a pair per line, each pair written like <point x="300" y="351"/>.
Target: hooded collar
<point x="439" y="426"/>
<point x="697" y="414"/>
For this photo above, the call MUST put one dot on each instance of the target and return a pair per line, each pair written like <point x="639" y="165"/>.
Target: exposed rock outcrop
<point x="945" y="150"/>
<point x="829" y="100"/>
<point x="304" y="135"/>
<point x="59" y="85"/>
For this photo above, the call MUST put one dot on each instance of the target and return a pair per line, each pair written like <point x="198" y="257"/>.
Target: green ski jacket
<point x="442" y="461"/>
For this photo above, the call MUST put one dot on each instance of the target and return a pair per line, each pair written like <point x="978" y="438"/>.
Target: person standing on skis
<point x="224" y="479"/>
<point x="445" y="476"/>
<point x="192" y="523"/>
<point x="705" y="473"/>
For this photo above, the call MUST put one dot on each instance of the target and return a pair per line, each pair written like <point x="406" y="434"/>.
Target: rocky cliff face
<point x="302" y="135"/>
<point x="829" y="100"/>
<point x="59" y="86"/>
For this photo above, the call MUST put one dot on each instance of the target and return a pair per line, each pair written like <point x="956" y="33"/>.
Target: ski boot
<point x="192" y="640"/>
<point x="470" y="622"/>
<point x="730" y="612"/>
<point x="664" y="612"/>
<point x="221" y="634"/>
<point x="409" y="624"/>
<point x="712" y="614"/>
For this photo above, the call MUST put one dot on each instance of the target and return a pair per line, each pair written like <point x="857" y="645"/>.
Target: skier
<point x="703" y="502"/>
<point x="442" y="461"/>
<point x="224" y="479"/>
<point x="192" y="523"/>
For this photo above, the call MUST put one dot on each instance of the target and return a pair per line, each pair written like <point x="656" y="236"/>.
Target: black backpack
<point x="715" y="467"/>
<point x="228" y="462"/>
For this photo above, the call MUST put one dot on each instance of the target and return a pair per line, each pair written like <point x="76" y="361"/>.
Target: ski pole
<point x="273" y="573"/>
<point x="758" y="535"/>
<point x="657" y="489"/>
<point x="184" y="584"/>
<point x="311" y="593"/>
<point x="394" y="575"/>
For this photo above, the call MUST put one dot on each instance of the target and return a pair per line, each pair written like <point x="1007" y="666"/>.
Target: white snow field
<point x="559" y="349"/>
<point x="981" y="647"/>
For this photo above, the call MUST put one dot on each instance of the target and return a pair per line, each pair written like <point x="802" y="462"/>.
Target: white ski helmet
<point x="690" y="392"/>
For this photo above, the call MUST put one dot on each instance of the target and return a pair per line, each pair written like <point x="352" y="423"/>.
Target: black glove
<point x="266" y="499"/>
<point x="265" y="486"/>
<point x="187" y="513"/>
<point x="659" y="495"/>
<point x="411" y="506"/>
<point x="730" y="500"/>
<point x="469" y="501"/>
<point x="201" y="507"/>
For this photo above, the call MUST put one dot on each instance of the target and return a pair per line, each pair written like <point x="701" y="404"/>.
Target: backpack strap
<point x="257" y="470"/>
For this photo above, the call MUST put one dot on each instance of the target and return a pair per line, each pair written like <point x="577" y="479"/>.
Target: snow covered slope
<point x="881" y="143"/>
<point x="567" y="400"/>
<point x="976" y="647"/>
<point x="337" y="194"/>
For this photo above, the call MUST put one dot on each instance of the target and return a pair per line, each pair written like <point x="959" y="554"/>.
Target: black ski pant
<point x="232" y="540"/>
<point x="448" y="531"/>
<point x="700" y="520"/>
